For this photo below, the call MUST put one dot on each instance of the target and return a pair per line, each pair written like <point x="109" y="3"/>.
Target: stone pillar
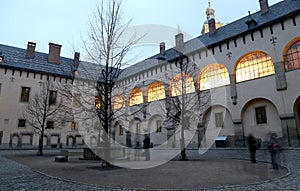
<point x="233" y="92"/>
<point x="280" y="78"/>
<point x="290" y="134"/>
<point x="239" y="133"/>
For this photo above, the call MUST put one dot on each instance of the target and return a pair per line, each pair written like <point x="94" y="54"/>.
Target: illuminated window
<point x="254" y="65"/>
<point x="74" y="126"/>
<point x="212" y="76"/>
<point x="76" y="100"/>
<point x="158" y="126"/>
<point x="182" y="84"/>
<point x="118" y="101"/>
<point x="155" y="91"/>
<point x="25" y="92"/>
<point x="135" y="97"/>
<point x="292" y="57"/>
<point x="97" y="102"/>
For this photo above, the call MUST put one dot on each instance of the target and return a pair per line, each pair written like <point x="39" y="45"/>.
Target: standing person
<point x="273" y="146"/>
<point x="146" y="146"/>
<point x="252" y="147"/>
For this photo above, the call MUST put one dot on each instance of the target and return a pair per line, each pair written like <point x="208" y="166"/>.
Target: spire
<point x="210" y="14"/>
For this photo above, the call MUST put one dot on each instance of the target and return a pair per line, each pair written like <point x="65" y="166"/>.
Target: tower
<point x="210" y="14"/>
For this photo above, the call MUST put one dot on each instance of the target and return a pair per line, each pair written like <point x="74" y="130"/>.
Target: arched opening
<point x="182" y="84"/>
<point x="212" y="76"/>
<point x="155" y="91"/>
<point x="135" y="96"/>
<point x="291" y="55"/>
<point x="253" y="65"/>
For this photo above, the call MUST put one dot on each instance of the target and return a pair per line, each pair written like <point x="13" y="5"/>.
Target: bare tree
<point x="48" y="109"/>
<point x="107" y="47"/>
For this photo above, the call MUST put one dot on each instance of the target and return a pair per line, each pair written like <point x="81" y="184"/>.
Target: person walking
<point x="273" y="146"/>
<point x="252" y="147"/>
<point x="146" y="146"/>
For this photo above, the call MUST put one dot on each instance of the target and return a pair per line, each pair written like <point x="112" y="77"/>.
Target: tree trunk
<point x="40" y="148"/>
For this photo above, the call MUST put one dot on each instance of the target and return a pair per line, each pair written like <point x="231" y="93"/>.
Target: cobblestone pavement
<point x="14" y="176"/>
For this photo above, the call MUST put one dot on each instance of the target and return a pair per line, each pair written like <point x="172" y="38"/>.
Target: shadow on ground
<point x="198" y="173"/>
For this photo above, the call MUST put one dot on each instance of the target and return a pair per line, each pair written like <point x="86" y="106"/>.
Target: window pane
<point x="118" y="101"/>
<point x="156" y="91"/>
<point x="158" y="126"/>
<point x="52" y="97"/>
<point x="25" y="92"/>
<point x="50" y="124"/>
<point x="292" y="57"/>
<point x="76" y="100"/>
<point x="215" y="75"/>
<point x="182" y="84"/>
<point x="254" y="65"/>
<point x="219" y="119"/>
<point x="261" y="116"/>
<point x="74" y="126"/>
<point x="22" y="123"/>
<point x="135" y="97"/>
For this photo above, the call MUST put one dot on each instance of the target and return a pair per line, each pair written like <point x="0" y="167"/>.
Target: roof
<point x="14" y="58"/>
<point x="239" y="27"/>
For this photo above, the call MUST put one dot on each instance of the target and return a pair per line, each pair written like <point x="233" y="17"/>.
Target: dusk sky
<point x="65" y="21"/>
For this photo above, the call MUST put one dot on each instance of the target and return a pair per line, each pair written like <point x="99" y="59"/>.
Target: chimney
<point x="30" y="50"/>
<point x="179" y="41"/>
<point x="54" y="53"/>
<point x="76" y="60"/>
<point x="212" y="26"/>
<point x="264" y="6"/>
<point x="162" y="48"/>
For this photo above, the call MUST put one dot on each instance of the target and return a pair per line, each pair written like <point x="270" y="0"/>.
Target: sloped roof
<point x="14" y="58"/>
<point x="239" y="27"/>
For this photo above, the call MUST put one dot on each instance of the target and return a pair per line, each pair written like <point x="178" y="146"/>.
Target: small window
<point x="261" y="117"/>
<point x="74" y="126"/>
<point x="97" y="103"/>
<point x="22" y="123"/>
<point x="121" y="130"/>
<point x="50" y="124"/>
<point x="25" y="92"/>
<point x="52" y="97"/>
<point x="219" y="119"/>
<point x="158" y="126"/>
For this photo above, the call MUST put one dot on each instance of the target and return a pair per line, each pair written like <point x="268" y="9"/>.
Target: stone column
<point x="280" y="78"/>
<point x="239" y="133"/>
<point x="233" y="92"/>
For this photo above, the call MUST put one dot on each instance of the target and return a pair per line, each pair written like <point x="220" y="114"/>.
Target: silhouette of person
<point x="146" y="146"/>
<point x="252" y="147"/>
<point x="273" y="146"/>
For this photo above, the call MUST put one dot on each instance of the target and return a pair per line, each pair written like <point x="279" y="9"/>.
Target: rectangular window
<point x="121" y="130"/>
<point x="25" y="92"/>
<point x="22" y="123"/>
<point x="219" y="119"/>
<point x="261" y="116"/>
<point x="74" y="126"/>
<point x="158" y="126"/>
<point x="50" y="125"/>
<point x="52" y="97"/>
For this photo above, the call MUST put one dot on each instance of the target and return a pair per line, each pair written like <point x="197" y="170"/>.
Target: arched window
<point x="118" y="101"/>
<point x="254" y="65"/>
<point x="182" y="84"/>
<point x="292" y="57"/>
<point x="135" y="97"/>
<point x="155" y="91"/>
<point x="212" y="76"/>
